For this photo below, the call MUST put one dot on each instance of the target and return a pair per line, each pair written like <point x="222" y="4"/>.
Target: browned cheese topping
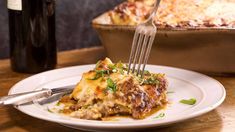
<point x="177" y="13"/>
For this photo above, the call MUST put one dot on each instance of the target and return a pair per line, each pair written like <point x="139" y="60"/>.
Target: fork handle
<point x="155" y="8"/>
<point x="17" y="99"/>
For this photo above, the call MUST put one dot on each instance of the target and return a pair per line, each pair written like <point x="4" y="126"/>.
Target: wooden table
<point x="220" y="119"/>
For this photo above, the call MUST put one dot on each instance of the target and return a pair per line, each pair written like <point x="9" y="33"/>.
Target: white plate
<point x="185" y="84"/>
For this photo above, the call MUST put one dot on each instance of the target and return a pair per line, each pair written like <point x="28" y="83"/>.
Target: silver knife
<point x="21" y="98"/>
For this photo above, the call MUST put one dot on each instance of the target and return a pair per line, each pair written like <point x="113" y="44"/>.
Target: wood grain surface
<point x="221" y="119"/>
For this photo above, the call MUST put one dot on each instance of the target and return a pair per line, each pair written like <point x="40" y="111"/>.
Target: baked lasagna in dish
<point x="176" y="13"/>
<point x="108" y="90"/>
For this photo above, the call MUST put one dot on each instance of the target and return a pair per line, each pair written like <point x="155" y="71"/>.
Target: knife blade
<point x="21" y="98"/>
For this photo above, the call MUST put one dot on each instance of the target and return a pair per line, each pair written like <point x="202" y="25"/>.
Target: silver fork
<point x="142" y="43"/>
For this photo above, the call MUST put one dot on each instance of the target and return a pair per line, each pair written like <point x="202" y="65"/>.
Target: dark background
<point x="73" y="23"/>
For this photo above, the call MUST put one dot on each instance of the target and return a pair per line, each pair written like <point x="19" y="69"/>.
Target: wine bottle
<point x="32" y="35"/>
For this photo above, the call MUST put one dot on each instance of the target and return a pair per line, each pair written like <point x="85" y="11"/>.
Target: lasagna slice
<point x="108" y="90"/>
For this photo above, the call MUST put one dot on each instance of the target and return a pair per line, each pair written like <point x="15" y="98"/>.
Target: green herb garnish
<point x="95" y="78"/>
<point x="146" y="72"/>
<point x="49" y="110"/>
<point x="160" y="116"/>
<point x="58" y="103"/>
<point x="191" y="101"/>
<point x="150" y="81"/>
<point x="111" y="85"/>
<point x="99" y="73"/>
<point x="121" y="71"/>
<point x="111" y="66"/>
<point x="120" y="65"/>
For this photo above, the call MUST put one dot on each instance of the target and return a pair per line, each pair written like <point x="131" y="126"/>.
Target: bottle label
<point x="14" y="4"/>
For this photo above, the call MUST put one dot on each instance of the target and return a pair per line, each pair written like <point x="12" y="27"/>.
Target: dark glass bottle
<point x="32" y="35"/>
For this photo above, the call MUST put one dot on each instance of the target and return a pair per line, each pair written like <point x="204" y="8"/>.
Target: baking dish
<point x="206" y="49"/>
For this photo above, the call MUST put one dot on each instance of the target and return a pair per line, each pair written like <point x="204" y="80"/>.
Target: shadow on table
<point x="20" y="121"/>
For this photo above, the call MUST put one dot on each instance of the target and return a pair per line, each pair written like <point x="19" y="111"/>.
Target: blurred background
<point x="73" y="28"/>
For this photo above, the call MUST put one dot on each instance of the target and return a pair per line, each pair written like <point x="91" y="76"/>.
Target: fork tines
<point x="141" y="47"/>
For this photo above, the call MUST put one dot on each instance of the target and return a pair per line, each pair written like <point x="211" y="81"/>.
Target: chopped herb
<point x="111" y="85"/>
<point x="99" y="73"/>
<point x="58" y="103"/>
<point x="96" y="77"/>
<point x="49" y="110"/>
<point x="191" y="101"/>
<point x="120" y="65"/>
<point x="150" y="81"/>
<point x="170" y="92"/>
<point x="146" y="72"/>
<point x="102" y="72"/>
<point x="111" y="66"/>
<point x="121" y="71"/>
<point x="160" y="116"/>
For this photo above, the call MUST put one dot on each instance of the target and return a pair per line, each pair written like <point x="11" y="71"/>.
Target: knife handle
<point x="17" y="99"/>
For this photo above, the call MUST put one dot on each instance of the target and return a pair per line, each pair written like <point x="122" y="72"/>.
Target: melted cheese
<point x="88" y="88"/>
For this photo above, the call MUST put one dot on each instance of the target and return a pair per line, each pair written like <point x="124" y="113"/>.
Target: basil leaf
<point x="191" y="101"/>
<point x="111" y="85"/>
